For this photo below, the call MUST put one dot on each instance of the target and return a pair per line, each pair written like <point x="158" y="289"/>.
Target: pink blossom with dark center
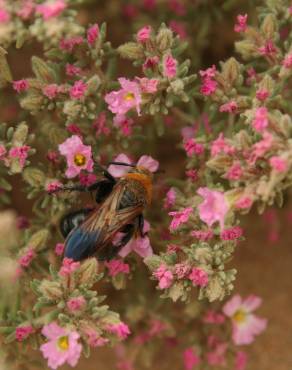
<point x="92" y="34"/>
<point x="59" y="249"/>
<point x="76" y="304"/>
<point x="53" y="186"/>
<point x="116" y="267"/>
<point x="78" y="90"/>
<point x="20" y="85"/>
<point x="230" y="107"/>
<point x="23" y="332"/>
<point x="199" y="277"/>
<point x="192" y="147"/>
<point x="262" y="94"/>
<point x="279" y="164"/>
<point x="232" y="233"/>
<point x="241" y="25"/>
<point x="27" y="258"/>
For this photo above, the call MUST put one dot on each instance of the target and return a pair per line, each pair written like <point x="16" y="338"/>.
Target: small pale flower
<point x="245" y="325"/>
<point x="191" y="359"/>
<point x="235" y="172"/>
<point x="62" y="346"/>
<point x="220" y="145"/>
<point x="78" y="156"/>
<point x="214" y="207"/>
<point x="51" y="91"/>
<point x="170" y="198"/>
<point x="121" y="330"/>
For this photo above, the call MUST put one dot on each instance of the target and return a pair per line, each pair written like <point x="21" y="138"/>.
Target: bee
<point x="118" y="216"/>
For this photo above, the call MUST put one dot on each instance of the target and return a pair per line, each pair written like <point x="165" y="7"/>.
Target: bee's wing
<point x="100" y="227"/>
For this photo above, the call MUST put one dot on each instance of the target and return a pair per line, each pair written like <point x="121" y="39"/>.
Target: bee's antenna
<point x="122" y="164"/>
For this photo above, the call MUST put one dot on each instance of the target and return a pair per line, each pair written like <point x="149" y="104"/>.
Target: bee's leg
<point x="141" y="225"/>
<point x="72" y="220"/>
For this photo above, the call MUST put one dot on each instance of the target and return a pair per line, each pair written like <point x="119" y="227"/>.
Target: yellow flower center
<point x="63" y="343"/>
<point x="129" y="96"/>
<point x="79" y="159"/>
<point x="239" y="316"/>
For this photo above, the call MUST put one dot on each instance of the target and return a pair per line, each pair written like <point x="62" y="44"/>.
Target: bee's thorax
<point x="144" y="180"/>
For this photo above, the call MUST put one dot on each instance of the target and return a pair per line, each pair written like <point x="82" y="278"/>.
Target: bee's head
<point x="142" y="171"/>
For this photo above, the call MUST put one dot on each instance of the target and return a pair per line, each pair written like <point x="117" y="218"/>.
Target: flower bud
<point x="231" y="70"/>
<point x="42" y="71"/>
<point x="32" y="102"/>
<point x="39" y="239"/>
<point x="5" y="73"/>
<point x="92" y="85"/>
<point x="214" y="289"/>
<point x="220" y="162"/>
<point x="88" y="271"/>
<point x="20" y="134"/>
<point x="34" y="177"/>
<point x="131" y="50"/>
<point x="269" y="26"/>
<point x="50" y="290"/>
<point x="164" y="39"/>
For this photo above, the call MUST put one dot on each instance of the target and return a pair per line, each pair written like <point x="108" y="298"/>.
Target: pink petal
<point x="251" y="303"/>
<point x="232" y="305"/>
<point x="52" y="331"/>
<point x="148" y="162"/>
<point x="119" y="171"/>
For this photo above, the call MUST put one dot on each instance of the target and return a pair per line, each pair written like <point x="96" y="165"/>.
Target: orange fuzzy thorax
<point x="144" y="180"/>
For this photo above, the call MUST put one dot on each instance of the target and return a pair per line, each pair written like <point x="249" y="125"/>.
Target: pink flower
<point x="26" y="259"/>
<point x="203" y="235"/>
<point x="51" y="91"/>
<point x="191" y="147"/>
<point x="164" y="276"/>
<point x="52" y="186"/>
<point x="245" y="325"/>
<point x="240" y="360"/>
<point x="179" y="28"/>
<point x="149" y="4"/>
<point x="229" y="107"/>
<point x="209" y="72"/>
<point x="244" y="203"/>
<point x="51" y="9"/>
<point x="124" y="123"/>
<point x="177" y="7"/>
<point x="78" y="90"/>
<point x="20" y="85"/>
<point x="148" y="85"/>
<point x="144" y="34"/>
<point x="261" y="147"/>
<point x="278" y="164"/>
<point x="87" y="179"/>
<point x="233" y="233"/>
<point x="151" y="63"/>
<point x="20" y="153"/>
<point x="125" y="99"/>
<point x="235" y="172"/>
<point x="287" y="62"/>
<point x="59" y="249"/>
<point x="180" y="217"/>
<point x="74" y="129"/>
<point x="3" y="152"/>
<point x="268" y="49"/>
<point x="213" y="208"/>
<point x="100" y="125"/>
<point x="62" y="346"/>
<point x="69" y="43"/>
<point x="72" y="70"/>
<point x="4" y="16"/>
<point x="145" y="161"/>
<point x="78" y="156"/>
<point x="94" y="339"/>
<point x="92" y="34"/>
<point x="169" y="66"/>
<point x="241" y="26"/>
<point x="22" y="332"/>
<point x="213" y="317"/>
<point x="262" y="94"/>
<point x="217" y="356"/>
<point x="220" y="145"/>
<point x="261" y="121"/>
<point x="68" y="267"/>
<point x="26" y="10"/>
<point x="76" y="303"/>
<point x="192" y="174"/>
<point x="121" y="330"/>
<point x="117" y="267"/>
<point x="191" y="359"/>
<point x="208" y="87"/>
<point x="199" y="277"/>
<point x="181" y="270"/>
<point x="170" y="198"/>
